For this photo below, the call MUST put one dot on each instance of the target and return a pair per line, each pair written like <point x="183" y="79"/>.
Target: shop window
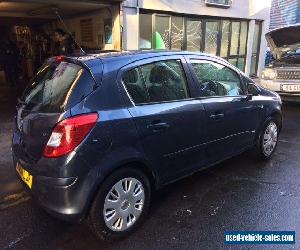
<point x="86" y="28"/>
<point x="145" y="31"/>
<point x="193" y="35"/>
<point x="235" y="34"/>
<point x="233" y="61"/>
<point x="243" y="38"/>
<point x="177" y="33"/>
<point x="162" y="32"/>
<point x="238" y="44"/>
<point x="225" y="39"/>
<point x="255" y="49"/>
<point x="241" y="63"/>
<point x="211" y="37"/>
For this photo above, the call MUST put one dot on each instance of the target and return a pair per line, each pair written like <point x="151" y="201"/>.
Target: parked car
<point x="95" y="136"/>
<point x="283" y="75"/>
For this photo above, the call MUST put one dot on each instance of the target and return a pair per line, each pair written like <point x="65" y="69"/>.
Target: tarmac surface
<point x="238" y="194"/>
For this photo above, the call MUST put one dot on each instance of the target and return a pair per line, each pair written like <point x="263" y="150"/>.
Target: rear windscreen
<point x="58" y="87"/>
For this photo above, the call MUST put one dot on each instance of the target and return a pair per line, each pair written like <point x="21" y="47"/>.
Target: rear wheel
<point x="121" y="204"/>
<point x="268" y="139"/>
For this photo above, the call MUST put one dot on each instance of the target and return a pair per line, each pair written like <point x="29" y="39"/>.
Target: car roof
<point x="136" y="55"/>
<point x="115" y="60"/>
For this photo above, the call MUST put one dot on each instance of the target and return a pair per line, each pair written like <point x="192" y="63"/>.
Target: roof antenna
<point x="82" y="52"/>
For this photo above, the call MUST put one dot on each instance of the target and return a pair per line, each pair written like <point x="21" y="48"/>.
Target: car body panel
<point x="284" y="40"/>
<point x="124" y="134"/>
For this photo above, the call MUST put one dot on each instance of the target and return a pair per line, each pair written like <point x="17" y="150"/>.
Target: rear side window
<point x="58" y="87"/>
<point x="156" y="82"/>
<point x="216" y="79"/>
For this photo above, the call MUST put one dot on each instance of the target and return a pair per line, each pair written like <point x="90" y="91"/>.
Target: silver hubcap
<point x="124" y="204"/>
<point x="270" y="139"/>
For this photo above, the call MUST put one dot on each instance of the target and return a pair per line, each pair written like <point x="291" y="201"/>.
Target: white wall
<point x="251" y="9"/>
<point x="130" y="28"/>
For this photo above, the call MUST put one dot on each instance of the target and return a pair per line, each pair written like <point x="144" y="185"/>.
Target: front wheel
<point x="121" y="204"/>
<point x="268" y="139"/>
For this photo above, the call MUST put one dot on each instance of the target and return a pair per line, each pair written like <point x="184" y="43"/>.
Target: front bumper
<point x="276" y="85"/>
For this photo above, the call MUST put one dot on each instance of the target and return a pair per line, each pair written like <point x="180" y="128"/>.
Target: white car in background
<point x="283" y="75"/>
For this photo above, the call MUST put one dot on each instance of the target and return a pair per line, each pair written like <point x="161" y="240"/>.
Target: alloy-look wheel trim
<point x="124" y="204"/>
<point x="270" y="138"/>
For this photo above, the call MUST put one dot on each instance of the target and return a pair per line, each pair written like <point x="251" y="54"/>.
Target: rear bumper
<point x="66" y="198"/>
<point x="56" y="199"/>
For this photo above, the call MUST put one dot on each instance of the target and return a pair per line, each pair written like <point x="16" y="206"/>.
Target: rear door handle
<point x="155" y="127"/>
<point x="217" y="116"/>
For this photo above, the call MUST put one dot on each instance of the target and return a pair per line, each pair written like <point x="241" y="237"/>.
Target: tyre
<point x="120" y="205"/>
<point x="268" y="138"/>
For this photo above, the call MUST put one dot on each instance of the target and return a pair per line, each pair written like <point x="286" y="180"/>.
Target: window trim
<point x="196" y="81"/>
<point x="191" y="91"/>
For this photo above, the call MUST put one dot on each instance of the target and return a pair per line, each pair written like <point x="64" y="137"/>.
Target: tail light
<point x="59" y="59"/>
<point x="68" y="134"/>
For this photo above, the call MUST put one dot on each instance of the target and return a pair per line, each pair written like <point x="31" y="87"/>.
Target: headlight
<point x="268" y="74"/>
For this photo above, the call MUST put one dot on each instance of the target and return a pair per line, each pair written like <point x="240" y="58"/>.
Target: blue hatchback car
<point x="96" y="135"/>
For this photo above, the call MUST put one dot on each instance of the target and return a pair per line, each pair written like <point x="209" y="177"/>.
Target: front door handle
<point x="242" y="98"/>
<point x="217" y="116"/>
<point x="156" y="127"/>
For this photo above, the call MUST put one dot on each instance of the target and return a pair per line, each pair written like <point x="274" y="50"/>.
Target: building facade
<point x="233" y="30"/>
<point x="284" y="12"/>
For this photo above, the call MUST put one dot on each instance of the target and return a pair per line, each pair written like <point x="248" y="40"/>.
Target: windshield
<point x="50" y="90"/>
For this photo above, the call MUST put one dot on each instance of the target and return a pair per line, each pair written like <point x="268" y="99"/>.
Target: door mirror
<point x="253" y="89"/>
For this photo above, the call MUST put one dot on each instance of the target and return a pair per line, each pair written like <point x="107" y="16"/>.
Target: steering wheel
<point x="213" y="88"/>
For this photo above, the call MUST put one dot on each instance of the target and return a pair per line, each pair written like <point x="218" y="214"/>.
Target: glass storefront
<point x="193" y="34"/>
<point x="225" y="38"/>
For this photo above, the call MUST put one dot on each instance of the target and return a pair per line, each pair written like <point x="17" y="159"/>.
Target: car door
<point x="169" y="121"/>
<point x="231" y="114"/>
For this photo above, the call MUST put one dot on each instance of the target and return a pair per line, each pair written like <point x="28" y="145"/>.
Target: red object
<point x="59" y="59"/>
<point x="68" y="134"/>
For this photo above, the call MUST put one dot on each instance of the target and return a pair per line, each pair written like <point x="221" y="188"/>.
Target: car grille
<point x="288" y="74"/>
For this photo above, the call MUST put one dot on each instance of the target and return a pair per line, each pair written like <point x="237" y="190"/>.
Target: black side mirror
<point x="253" y="89"/>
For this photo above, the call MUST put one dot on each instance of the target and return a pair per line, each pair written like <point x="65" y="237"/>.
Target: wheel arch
<point x="277" y="115"/>
<point x="133" y="163"/>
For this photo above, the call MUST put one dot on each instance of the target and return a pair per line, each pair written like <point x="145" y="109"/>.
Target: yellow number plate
<point x="25" y="175"/>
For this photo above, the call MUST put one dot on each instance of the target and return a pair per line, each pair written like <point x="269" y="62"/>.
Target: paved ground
<point x="239" y="194"/>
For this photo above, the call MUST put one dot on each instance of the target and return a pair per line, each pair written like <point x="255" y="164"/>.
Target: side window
<point x="135" y="86"/>
<point x="216" y="79"/>
<point x="157" y="82"/>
